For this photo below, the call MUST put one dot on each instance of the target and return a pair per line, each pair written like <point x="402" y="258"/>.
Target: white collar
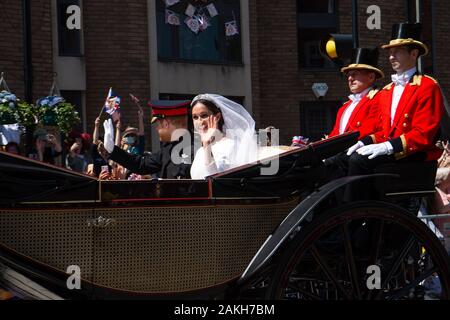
<point x="359" y="96"/>
<point x="408" y="73"/>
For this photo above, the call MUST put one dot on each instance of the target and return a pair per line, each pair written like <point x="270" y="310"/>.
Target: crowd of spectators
<point x="79" y="150"/>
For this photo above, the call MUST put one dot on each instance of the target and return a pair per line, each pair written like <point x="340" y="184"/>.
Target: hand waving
<point x="212" y="133"/>
<point x="109" y="135"/>
<point x="102" y="150"/>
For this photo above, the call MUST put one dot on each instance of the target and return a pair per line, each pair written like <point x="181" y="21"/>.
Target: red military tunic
<point x="416" y="121"/>
<point x="363" y="118"/>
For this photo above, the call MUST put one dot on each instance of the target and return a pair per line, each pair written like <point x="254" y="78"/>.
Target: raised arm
<point x="147" y="164"/>
<point x="141" y="121"/>
<point x="96" y="132"/>
<point x="118" y="138"/>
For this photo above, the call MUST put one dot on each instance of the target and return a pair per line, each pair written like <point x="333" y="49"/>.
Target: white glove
<point x="375" y="150"/>
<point x="355" y="147"/>
<point x="108" y="141"/>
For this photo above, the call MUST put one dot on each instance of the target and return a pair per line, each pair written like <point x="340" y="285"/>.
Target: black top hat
<point x="168" y="108"/>
<point x="407" y="34"/>
<point x="364" y="58"/>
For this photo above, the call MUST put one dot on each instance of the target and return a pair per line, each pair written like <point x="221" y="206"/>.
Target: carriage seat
<point x="416" y="178"/>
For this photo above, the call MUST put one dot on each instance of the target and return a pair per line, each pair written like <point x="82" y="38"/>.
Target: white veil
<point x="239" y="126"/>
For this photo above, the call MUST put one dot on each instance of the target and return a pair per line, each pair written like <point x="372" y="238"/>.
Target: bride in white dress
<point x="227" y="134"/>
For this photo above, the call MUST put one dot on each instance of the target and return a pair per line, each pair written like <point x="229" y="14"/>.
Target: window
<point x="212" y="45"/>
<point x="317" y="118"/>
<point x="315" y="20"/>
<point x="176" y="96"/>
<point x="75" y="97"/>
<point x="69" y="40"/>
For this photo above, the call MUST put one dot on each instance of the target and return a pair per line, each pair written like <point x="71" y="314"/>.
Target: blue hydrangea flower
<point x="6" y="97"/>
<point x="50" y="101"/>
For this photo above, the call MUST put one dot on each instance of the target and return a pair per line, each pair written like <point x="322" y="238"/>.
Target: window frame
<point x="330" y="108"/>
<point x="177" y="48"/>
<point x="61" y="24"/>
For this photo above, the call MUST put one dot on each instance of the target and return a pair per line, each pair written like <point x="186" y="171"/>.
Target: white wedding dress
<point x="222" y="151"/>
<point x="237" y="147"/>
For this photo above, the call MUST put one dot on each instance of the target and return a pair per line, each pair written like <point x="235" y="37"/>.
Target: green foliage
<point x="66" y="116"/>
<point x="54" y="111"/>
<point x="8" y="115"/>
<point x="27" y="114"/>
<point x="8" y="111"/>
<point x="63" y="114"/>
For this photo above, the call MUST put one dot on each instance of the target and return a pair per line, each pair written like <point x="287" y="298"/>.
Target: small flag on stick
<point x="111" y="105"/>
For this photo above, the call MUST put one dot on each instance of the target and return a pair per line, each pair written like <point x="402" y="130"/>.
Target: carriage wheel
<point x="363" y="251"/>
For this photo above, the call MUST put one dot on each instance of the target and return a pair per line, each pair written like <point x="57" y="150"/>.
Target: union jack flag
<point x="112" y="103"/>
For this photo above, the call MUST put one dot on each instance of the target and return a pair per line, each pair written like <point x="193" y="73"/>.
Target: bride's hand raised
<point x="212" y="133"/>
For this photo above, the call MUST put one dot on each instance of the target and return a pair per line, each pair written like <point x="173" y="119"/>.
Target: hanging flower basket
<point x="49" y="117"/>
<point x="55" y="111"/>
<point x="8" y="110"/>
<point x="27" y="114"/>
<point x="12" y="110"/>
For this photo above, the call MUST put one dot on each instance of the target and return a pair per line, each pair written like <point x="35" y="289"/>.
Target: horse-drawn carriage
<point x="235" y="234"/>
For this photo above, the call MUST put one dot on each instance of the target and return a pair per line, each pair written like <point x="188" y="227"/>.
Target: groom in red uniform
<point x="411" y="108"/>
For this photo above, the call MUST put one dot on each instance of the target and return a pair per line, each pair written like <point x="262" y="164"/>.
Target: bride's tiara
<point x="203" y="96"/>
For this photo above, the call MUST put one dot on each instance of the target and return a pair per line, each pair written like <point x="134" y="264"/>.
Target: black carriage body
<point x="159" y="238"/>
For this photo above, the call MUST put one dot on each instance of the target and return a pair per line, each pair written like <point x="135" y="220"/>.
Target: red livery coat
<point x="416" y="121"/>
<point x="364" y="117"/>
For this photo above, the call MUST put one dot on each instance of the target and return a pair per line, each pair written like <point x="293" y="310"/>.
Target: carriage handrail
<point x="41" y="170"/>
<point x="435" y="216"/>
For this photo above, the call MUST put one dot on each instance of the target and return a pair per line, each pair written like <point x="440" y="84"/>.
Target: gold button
<point x="404" y="124"/>
<point x="358" y="124"/>
<point x="406" y="116"/>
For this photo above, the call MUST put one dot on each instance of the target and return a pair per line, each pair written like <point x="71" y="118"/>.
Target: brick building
<point x="285" y="60"/>
<point x="269" y="66"/>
